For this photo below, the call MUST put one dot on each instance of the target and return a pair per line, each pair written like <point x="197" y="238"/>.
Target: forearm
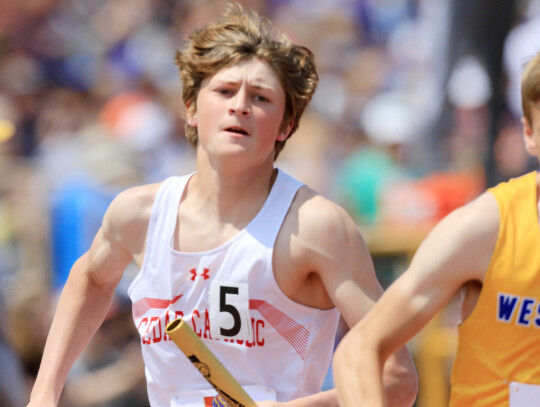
<point x="81" y="309"/>
<point x="322" y="399"/>
<point x="364" y="376"/>
<point x="358" y="375"/>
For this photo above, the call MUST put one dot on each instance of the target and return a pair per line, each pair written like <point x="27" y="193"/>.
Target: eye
<point x="261" y="98"/>
<point x="225" y="92"/>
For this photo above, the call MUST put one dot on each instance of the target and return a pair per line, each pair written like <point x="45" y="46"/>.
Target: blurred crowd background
<point x="417" y="111"/>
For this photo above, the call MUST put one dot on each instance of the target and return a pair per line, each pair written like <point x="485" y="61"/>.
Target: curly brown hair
<point x="238" y="36"/>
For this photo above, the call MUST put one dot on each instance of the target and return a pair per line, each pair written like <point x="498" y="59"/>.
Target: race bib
<point x="198" y="398"/>
<point x="204" y="398"/>
<point x="229" y="311"/>
<point x="524" y="395"/>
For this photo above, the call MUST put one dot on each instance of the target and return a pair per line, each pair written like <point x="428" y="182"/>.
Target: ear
<point x="530" y="143"/>
<point x="283" y="134"/>
<point x="191" y="113"/>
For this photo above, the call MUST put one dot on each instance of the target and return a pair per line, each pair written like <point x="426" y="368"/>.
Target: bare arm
<point x="84" y="301"/>
<point x="338" y="270"/>
<point x="457" y="250"/>
<point x="352" y="284"/>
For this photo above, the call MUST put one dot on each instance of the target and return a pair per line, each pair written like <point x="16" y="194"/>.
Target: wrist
<point x="43" y="396"/>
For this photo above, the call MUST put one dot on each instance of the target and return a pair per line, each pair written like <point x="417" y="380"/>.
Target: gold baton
<point x="208" y="364"/>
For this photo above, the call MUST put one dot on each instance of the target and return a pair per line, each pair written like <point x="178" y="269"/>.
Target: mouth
<point x="237" y="130"/>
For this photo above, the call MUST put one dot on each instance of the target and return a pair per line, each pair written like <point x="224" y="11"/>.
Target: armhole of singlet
<point x="155" y="215"/>
<point x="501" y="194"/>
<point x="276" y="208"/>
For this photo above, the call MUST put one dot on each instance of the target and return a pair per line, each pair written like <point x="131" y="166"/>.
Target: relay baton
<point x="208" y="365"/>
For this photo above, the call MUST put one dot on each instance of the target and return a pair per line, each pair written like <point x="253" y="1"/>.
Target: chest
<point x="197" y="235"/>
<point x="283" y="261"/>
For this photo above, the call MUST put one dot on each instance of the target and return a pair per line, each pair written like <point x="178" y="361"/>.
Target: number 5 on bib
<point x="229" y="311"/>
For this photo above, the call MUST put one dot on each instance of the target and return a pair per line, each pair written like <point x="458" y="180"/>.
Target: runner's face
<point x="240" y="110"/>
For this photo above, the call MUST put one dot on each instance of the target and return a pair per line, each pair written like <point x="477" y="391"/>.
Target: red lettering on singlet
<point x="259" y="342"/>
<point x="156" y="338"/>
<point x="152" y="329"/>
<point x="207" y="325"/>
<point x="144" y="321"/>
<point x="149" y="324"/>
<point x="167" y="320"/>
<point x="195" y="314"/>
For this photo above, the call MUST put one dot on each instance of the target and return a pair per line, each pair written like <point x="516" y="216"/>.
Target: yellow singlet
<point x="499" y="343"/>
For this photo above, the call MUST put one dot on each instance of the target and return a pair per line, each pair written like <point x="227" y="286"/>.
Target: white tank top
<point x="275" y="348"/>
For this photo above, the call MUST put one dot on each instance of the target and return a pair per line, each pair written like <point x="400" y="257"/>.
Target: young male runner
<point x="258" y="264"/>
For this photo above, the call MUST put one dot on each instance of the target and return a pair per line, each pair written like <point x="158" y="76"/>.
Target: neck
<point x="230" y="196"/>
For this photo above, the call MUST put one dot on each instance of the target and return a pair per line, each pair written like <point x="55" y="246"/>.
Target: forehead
<point x="255" y="71"/>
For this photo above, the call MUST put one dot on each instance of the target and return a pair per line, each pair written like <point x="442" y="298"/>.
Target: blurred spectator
<point x="113" y="356"/>
<point x="13" y="385"/>
<point x="522" y="42"/>
<point x="376" y="163"/>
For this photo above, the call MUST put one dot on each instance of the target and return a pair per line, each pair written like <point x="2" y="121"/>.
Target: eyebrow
<point x="256" y="85"/>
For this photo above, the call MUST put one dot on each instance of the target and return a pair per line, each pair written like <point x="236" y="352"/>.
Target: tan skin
<point x="234" y="176"/>
<point x="454" y="256"/>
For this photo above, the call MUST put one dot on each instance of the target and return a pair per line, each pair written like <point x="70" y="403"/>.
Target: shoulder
<point x="479" y="218"/>
<point x="317" y="214"/>
<point x="462" y="244"/>
<point x="513" y="191"/>
<point x="133" y="203"/>
<point x="128" y="215"/>
<point x="324" y="229"/>
<point x="321" y="259"/>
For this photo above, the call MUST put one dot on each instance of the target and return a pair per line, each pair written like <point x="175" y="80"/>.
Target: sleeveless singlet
<point x="277" y="349"/>
<point x="498" y="357"/>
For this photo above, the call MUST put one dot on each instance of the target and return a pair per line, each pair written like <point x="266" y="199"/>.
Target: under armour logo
<point x="204" y="274"/>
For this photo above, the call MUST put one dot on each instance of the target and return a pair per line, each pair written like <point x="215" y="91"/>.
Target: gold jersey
<point x="499" y="343"/>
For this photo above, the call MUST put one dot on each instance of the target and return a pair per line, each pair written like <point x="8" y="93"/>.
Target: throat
<point x="211" y="213"/>
<point x="204" y="237"/>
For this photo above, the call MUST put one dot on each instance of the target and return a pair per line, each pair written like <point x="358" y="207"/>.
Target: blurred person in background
<point x="244" y="93"/>
<point x="509" y="157"/>
<point x="13" y="385"/>
<point x="13" y="381"/>
<point x="488" y="250"/>
<point x="376" y="162"/>
<point x="112" y="356"/>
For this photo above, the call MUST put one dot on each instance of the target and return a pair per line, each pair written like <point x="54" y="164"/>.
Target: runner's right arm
<point x="86" y="298"/>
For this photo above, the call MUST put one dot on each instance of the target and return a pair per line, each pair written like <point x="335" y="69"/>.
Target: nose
<point x="239" y="104"/>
